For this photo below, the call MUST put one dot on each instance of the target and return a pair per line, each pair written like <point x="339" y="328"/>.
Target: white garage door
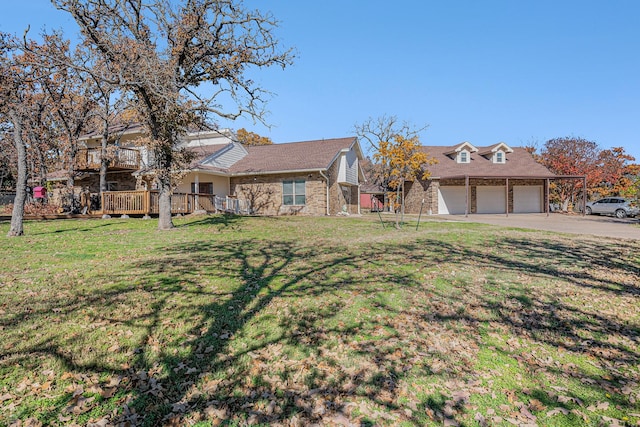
<point x="527" y="199"/>
<point x="490" y="199"/>
<point x="451" y="200"/>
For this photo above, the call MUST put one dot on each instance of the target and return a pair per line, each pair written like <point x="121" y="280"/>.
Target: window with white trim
<point x="293" y="192"/>
<point x="463" y="156"/>
<point x="499" y="157"/>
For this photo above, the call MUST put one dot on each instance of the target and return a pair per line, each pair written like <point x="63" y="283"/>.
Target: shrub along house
<point x="469" y="179"/>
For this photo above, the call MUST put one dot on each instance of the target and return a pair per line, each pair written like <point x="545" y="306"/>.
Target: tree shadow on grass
<point x="281" y="331"/>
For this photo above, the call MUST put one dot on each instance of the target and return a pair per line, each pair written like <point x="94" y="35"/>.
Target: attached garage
<point x="452" y="200"/>
<point x="527" y="199"/>
<point x="491" y="199"/>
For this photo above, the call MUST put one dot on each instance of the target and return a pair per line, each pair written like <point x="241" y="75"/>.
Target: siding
<point x="348" y="171"/>
<point x="227" y="157"/>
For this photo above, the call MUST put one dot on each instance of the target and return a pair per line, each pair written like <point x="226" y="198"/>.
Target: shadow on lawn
<point x="312" y="366"/>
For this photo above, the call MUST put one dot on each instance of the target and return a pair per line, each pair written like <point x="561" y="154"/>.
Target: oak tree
<point x="181" y="61"/>
<point x="24" y="115"/>
<point x="251" y="138"/>
<point x="570" y="156"/>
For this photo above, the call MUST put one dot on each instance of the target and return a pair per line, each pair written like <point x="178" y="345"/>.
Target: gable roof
<point x="292" y="156"/>
<point x="519" y="163"/>
<point x="493" y="148"/>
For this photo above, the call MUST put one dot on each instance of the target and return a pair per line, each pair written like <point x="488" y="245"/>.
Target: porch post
<point x="584" y="195"/>
<point x="506" y="199"/>
<point x="466" y="195"/>
<point x="546" y="198"/>
<point x="147" y="201"/>
<point x="196" y="189"/>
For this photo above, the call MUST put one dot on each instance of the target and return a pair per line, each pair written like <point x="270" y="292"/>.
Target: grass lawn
<point x="335" y="321"/>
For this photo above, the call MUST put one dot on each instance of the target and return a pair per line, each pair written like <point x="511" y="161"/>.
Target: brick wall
<point x="342" y="198"/>
<point x="418" y="190"/>
<point x="265" y="193"/>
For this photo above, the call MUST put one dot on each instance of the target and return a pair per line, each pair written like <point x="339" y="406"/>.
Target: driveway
<point x="627" y="228"/>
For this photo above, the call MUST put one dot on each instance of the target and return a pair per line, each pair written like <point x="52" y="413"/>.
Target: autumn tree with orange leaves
<point x="251" y="138"/>
<point x="607" y="172"/>
<point x="182" y="62"/>
<point x="397" y="156"/>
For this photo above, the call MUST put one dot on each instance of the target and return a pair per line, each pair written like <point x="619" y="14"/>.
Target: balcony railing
<point x="121" y="158"/>
<point x="147" y="203"/>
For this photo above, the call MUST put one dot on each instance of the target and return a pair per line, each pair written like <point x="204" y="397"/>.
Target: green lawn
<point x="290" y="321"/>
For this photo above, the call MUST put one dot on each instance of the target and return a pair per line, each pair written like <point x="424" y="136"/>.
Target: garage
<point x="451" y="200"/>
<point x="490" y="199"/>
<point x="527" y="199"/>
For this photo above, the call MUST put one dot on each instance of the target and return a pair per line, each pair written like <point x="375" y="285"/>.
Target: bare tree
<point x="23" y="108"/>
<point x="181" y="61"/>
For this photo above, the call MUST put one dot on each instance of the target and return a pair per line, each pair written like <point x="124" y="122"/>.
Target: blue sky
<point x="517" y="71"/>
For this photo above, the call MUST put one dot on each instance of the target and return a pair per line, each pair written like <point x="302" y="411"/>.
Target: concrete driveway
<point x="627" y="228"/>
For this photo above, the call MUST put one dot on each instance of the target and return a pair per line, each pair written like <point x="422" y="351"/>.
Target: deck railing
<point x="143" y="202"/>
<point x="123" y="158"/>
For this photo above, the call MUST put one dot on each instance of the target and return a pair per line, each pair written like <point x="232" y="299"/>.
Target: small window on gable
<point x="499" y="157"/>
<point x="463" y="157"/>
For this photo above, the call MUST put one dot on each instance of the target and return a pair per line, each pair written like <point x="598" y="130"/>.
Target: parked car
<point x="617" y="206"/>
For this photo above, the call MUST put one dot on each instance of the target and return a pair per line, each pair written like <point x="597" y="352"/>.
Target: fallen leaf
<point x="557" y="411"/>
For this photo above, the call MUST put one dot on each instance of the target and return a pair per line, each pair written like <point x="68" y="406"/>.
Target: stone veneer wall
<point x="418" y="190"/>
<point x="265" y="193"/>
<point x="342" y="198"/>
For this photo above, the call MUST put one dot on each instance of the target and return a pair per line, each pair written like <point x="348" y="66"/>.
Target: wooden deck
<point x="123" y="159"/>
<point x="144" y="202"/>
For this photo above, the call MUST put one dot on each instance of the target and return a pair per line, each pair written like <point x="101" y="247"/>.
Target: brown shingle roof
<point x="293" y="156"/>
<point x="520" y="163"/>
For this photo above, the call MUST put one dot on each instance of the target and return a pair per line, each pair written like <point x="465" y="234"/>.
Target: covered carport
<point x="494" y="199"/>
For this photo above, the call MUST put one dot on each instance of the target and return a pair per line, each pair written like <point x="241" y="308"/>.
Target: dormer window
<point x="463" y="156"/>
<point x="499" y="157"/>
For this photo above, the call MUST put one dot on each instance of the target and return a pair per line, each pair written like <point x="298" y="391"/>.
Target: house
<point x="469" y="179"/>
<point x="128" y="156"/>
<point x="320" y="177"/>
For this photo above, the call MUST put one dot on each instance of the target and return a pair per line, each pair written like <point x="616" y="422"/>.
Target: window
<point x="464" y="156"/>
<point x="499" y="157"/>
<point x="293" y="192"/>
<point x="203" y="187"/>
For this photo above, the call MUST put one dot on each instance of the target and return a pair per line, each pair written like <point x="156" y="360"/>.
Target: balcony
<point x="120" y="159"/>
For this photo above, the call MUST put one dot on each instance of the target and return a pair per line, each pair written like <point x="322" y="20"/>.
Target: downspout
<point x="327" y="179"/>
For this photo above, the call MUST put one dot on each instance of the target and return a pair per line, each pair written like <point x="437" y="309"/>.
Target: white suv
<point x="617" y="206"/>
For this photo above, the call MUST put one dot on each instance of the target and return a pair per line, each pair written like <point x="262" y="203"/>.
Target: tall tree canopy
<point x="181" y="60"/>
<point x="25" y="113"/>
<point x="607" y="172"/>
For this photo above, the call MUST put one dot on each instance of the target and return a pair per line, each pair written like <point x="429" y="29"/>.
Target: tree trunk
<point x="104" y="162"/>
<point x="396" y="209"/>
<point x="164" y="199"/>
<point x="17" y="216"/>
<point x="164" y="204"/>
